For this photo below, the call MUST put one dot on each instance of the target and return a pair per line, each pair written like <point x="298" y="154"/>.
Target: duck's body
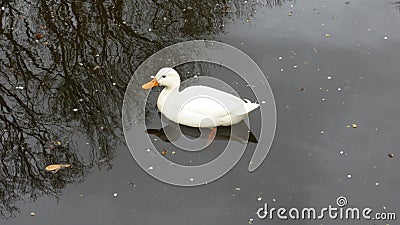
<point x="197" y="106"/>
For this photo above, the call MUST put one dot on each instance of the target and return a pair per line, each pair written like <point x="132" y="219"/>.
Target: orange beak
<point x="151" y="84"/>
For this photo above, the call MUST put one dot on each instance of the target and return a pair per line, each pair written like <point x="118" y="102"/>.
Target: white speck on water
<point x="322" y="132"/>
<point x="191" y="179"/>
<point x="115" y="194"/>
<point x="33" y="214"/>
<point x="274" y="200"/>
<point x="323" y="99"/>
<point x="114" y="84"/>
<point x="281" y="70"/>
<point x="148" y="150"/>
<point x="2" y="8"/>
<point x="341" y="152"/>
<point x="259" y="199"/>
<point x="151" y="168"/>
<point x="237" y="189"/>
<point x="151" y="76"/>
<point x="348" y="176"/>
<point x="75" y="110"/>
<point x="19" y="88"/>
<point x="385" y="38"/>
<point x="149" y="29"/>
<point x="329" y="77"/>
<point x="251" y="220"/>
<point x="339" y="89"/>
<point x="377" y="184"/>
<point x="81" y="64"/>
<point x="263" y="102"/>
<point x="295" y="66"/>
<point x="280" y="58"/>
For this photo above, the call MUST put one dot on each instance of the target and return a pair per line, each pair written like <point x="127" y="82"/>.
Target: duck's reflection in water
<point x="239" y="132"/>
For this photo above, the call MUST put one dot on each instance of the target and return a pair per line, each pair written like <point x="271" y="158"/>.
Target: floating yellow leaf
<point x="56" y="167"/>
<point x="327" y="35"/>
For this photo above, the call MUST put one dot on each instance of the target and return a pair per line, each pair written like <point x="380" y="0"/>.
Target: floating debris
<point x="39" y="36"/>
<point x="280" y="58"/>
<point x="385" y="38"/>
<point x="349" y="176"/>
<point x="339" y="89"/>
<point x="263" y="102"/>
<point x="164" y="152"/>
<point x="251" y="220"/>
<point x="354" y="125"/>
<point x="290" y="14"/>
<point x="151" y="168"/>
<point x="377" y="184"/>
<point x="55" y="167"/>
<point x="315" y="51"/>
<point x="328" y="35"/>
<point x="191" y="179"/>
<point x="115" y="194"/>
<point x="391" y="155"/>
<point x="19" y="88"/>
<point x="75" y="110"/>
<point x="96" y="67"/>
<point x="173" y="153"/>
<point x="237" y="188"/>
<point x="302" y="89"/>
<point x="33" y="214"/>
<point x="329" y="77"/>
<point x="259" y="198"/>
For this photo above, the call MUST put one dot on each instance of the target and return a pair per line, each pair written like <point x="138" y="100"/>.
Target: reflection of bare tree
<point x="397" y="4"/>
<point x="64" y="67"/>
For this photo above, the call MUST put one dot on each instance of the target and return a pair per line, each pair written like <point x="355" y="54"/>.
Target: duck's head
<point x="166" y="77"/>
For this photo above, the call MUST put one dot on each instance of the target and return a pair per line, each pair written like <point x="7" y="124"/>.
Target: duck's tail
<point x="248" y="107"/>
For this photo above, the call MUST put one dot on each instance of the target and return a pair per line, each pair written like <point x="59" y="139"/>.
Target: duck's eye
<point x="163" y="76"/>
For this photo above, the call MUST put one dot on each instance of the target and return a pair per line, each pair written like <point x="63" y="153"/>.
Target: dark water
<point x="65" y="66"/>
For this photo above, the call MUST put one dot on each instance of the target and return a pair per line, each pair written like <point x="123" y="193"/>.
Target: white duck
<point x="197" y="106"/>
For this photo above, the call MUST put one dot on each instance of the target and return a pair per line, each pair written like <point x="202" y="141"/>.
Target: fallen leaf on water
<point x="327" y="35"/>
<point x="39" y="36"/>
<point x="302" y="89"/>
<point x="391" y="155"/>
<point x="164" y="152"/>
<point x="56" y="167"/>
